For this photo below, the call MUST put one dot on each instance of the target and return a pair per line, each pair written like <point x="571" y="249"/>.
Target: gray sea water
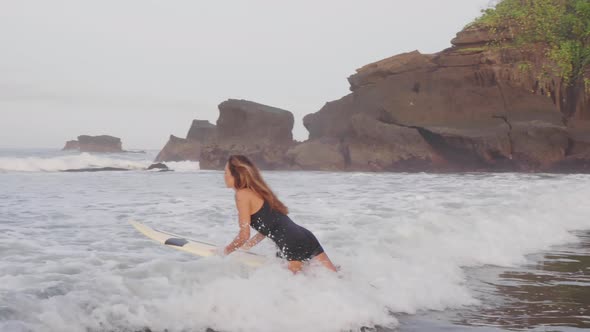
<point x="419" y="252"/>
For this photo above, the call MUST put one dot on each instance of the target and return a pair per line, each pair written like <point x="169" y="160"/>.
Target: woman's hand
<point x="219" y="251"/>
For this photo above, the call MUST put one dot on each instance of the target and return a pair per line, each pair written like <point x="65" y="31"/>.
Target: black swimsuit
<point x="295" y="243"/>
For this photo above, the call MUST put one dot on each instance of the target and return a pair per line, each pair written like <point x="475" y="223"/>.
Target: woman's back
<point x="294" y="242"/>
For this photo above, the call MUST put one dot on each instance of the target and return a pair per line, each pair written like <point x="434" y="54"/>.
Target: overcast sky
<point x="144" y="69"/>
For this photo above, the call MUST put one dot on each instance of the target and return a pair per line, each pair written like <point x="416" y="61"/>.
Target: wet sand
<point x="550" y="293"/>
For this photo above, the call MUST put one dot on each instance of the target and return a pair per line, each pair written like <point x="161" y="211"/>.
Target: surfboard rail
<point x="195" y="247"/>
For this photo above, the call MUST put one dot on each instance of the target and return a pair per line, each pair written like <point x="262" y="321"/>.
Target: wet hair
<point x="247" y="175"/>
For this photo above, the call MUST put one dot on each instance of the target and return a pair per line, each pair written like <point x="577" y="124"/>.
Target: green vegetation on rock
<point x="563" y="25"/>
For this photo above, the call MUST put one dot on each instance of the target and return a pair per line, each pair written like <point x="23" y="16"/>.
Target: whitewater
<point x="406" y="243"/>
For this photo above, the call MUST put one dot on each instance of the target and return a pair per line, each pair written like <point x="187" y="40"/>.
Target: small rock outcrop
<point x="96" y="144"/>
<point x="160" y="166"/>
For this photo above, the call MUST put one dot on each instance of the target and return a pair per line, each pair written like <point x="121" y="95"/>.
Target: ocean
<point x="418" y="252"/>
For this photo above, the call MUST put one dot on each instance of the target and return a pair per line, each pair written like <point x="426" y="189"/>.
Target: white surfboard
<point x="195" y="247"/>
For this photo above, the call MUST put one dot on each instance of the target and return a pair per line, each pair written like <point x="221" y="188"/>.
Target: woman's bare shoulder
<point x="248" y="195"/>
<point x="245" y="194"/>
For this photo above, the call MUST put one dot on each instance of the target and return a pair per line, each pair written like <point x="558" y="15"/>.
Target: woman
<point x="259" y="208"/>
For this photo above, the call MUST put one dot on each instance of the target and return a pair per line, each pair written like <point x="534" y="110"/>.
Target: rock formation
<point x="159" y="166"/>
<point x="261" y="132"/>
<point x="100" y="144"/>
<point x="480" y="105"/>
<point x="72" y="145"/>
<point x="189" y="148"/>
<point x="468" y="108"/>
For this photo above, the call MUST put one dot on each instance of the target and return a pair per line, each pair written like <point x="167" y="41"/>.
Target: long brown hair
<point x="247" y="175"/>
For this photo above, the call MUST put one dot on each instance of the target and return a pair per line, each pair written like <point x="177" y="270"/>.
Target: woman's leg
<point x="323" y="258"/>
<point x="295" y="266"/>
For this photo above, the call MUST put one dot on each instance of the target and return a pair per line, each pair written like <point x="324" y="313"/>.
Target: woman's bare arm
<point x="253" y="241"/>
<point x="243" y="205"/>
